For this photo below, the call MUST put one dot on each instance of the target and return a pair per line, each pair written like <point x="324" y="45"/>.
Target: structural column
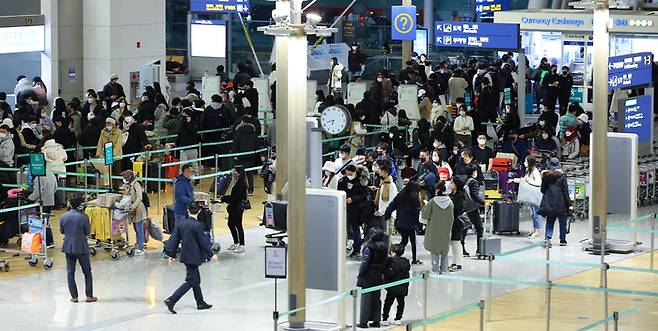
<point x="281" y="123"/>
<point x="49" y="57"/>
<point x="406" y="44"/>
<point x="428" y="19"/>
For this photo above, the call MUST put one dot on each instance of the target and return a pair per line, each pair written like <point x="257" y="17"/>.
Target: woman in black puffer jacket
<point x="556" y="203"/>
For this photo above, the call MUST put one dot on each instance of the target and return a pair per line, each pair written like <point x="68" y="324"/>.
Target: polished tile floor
<point x="131" y="290"/>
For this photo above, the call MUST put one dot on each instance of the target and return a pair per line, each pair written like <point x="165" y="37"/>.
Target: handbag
<point x="529" y="193"/>
<point x="464" y="222"/>
<point x="245" y="205"/>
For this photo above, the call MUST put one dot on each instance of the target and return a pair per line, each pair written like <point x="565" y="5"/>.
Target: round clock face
<point x="335" y="120"/>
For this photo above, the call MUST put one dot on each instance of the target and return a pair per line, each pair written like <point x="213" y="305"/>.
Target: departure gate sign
<point x="638" y="117"/>
<point x="220" y="6"/>
<point x="477" y="35"/>
<point x="630" y="70"/>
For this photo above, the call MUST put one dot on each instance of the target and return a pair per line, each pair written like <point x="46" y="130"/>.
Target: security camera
<point x="280" y="16"/>
<point x="313" y="19"/>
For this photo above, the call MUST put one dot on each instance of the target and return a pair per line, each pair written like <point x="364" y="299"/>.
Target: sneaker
<point x="251" y="194"/>
<point x="139" y="252"/>
<point x="563" y="242"/>
<point x="417" y="262"/>
<point x="92" y="299"/>
<point x="455" y="268"/>
<point x="170" y="306"/>
<point x="375" y="325"/>
<point x="533" y="235"/>
<point x="466" y="254"/>
<point x="385" y="322"/>
<point x="50" y="246"/>
<point x="397" y="322"/>
<point x="362" y="326"/>
<point x="233" y="247"/>
<point x="239" y="249"/>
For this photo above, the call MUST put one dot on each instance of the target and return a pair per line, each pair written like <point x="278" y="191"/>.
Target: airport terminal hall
<point x="328" y="165"/>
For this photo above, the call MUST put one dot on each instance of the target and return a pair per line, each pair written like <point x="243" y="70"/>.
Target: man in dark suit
<point x="194" y="251"/>
<point x="75" y="227"/>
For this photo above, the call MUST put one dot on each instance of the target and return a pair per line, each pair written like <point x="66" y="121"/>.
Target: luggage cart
<point x="37" y="224"/>
<point x="205" y="200"/>
<point x="643" y="185"/>
<point x="115" y="235"/>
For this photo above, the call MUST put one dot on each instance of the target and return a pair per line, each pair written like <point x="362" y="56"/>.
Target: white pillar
<point x="49" y="57"/>
<point x="537" y="4"/>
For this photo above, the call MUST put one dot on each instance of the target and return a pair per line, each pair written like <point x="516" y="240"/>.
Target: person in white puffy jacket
<point x="335" y="83"/>
<point x="55" y="154"/>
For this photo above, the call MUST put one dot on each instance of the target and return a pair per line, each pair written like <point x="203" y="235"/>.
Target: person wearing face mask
<point x="464" y="126"/>
<point x="357" y="197"/>
<point x="583" y="134"/>
<point x="549" y="117"/>
<point x="568" y="120"/>
<point x="437" y="111"/>
<point x="29" y="131"/>
<point x="386" y="191"/>
<point x="474" y="201"/>
<point x="444" y="133"/>
<point x="92" y="108"/>
<point x="571" y="143"/>
<point x="488" y="102"/>
<point x="7" y="151"/>
<point x="147" y="107"/>
<point x="406" y="204"/>
<point x="457" y="86"/>
<point x="138" y="212"/>
<point x="187" y="136"/>
<point x="482" y="153"/>
<point x="335" y="82"/>
<point x="113" y="91"/>
<point x="112" y="134"/>
<point x="425" y="105"/>
<point x="468" y="160"/>
<point x="426" y="175"/>
<point x="45" y="122"/>
<point x="551" y="88"/>
<point x="440" y="164"/>
<point x="565" y="81"/>
<point x="236" y="196"/>
<point x="329" y="178"/>
<point x="546" y="143"/>
<point x="136" y="140"/>
<point x="532" y="177"/>
<point x="356" y="62"/>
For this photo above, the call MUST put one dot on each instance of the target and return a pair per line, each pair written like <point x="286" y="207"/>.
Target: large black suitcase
<point x="168" y="219"/>
<point x="205" y="217"/>
<point x="506" y="217"/>
<point x="154" y="171"/>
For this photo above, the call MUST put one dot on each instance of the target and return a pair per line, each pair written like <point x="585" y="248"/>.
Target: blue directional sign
<point x="220" y="6"/>
<point x="477" y="35"/>
<point x="486" y="8"/>
<point x="630" y="70"/>
<point x="403" y="24"/>
<point x="638" y="117"/>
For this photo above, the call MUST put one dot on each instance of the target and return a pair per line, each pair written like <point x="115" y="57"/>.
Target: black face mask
<point x="565" y="73"/>
<point x="423" y="159"/>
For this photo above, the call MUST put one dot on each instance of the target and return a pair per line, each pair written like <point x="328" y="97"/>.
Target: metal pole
<point x="652" y="243"/>
<point x="615" y="316"/>
<point x="355" y="297"/>
<point x="426" y="277"/>
<point x="548" y="267"/>
<point x="521" y="87"/>
<point x="276" y="320"/>
<point x="159" y="189"/>
<point x="199" y="156"/>
<point x="490" y="287"/>
<point x="481" y="315"/>
<point x="605" y="294"/>
<point x="549" y="286"/>
<point x="251" y="46"/>
<point x="216" y="171"/>
<point x="406" y="44"/>
<point x="110" y="176"/>
<point x="85" y="165"/>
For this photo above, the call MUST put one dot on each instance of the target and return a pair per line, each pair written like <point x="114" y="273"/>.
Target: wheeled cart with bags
<point x="109" y="231"/>
<point x="205" y="217"/>
<point x="32" y="243"/>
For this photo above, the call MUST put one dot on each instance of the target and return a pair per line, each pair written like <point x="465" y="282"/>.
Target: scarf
<point x="383" y="191"/>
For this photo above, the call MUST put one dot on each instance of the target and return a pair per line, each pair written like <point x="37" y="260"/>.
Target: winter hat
<point x="553" y="163"/>
<point x="583" y="117"/>
<point x="114" y="76"/>
<point x="8" y="122"/>
<point x="110" y="120"/>
<point x="128" y="175"/>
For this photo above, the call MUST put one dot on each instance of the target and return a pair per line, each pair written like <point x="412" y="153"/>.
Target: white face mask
<point x="448" y="190"/>
<point x="125" y="181"/>
<point x="379" y="79"/>
<point x="122" y="105"/>
<point x="391" y="135"/>
<point x="351" y="177"/>
<point x="33" y="125"/>
<point x="109" y="128"/>
<point x="354" y="48"/>
<point x="545" y="136"/>
<point x="475" y="175"/>
<point x="542" y="123"/>
<point x="525" y="164"/>
<point x="435" y="104"/>
<point x="462" y="113"/>
<point x="144" y="98"/>
<point x="3" y="135"/>
<point x="482" y="141"/>
<point x="569" y="133"/>
<point x="435" y="159"/>
<point x="436" y="145"/>
<point x="90" y="100"/>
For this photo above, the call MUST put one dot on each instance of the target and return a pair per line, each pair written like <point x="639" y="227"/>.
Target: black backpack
<point x="145" y="199"/>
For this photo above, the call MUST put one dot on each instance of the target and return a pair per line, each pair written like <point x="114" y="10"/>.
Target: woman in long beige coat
<point x="138" y="212"/>
<point x="439" y="215"/>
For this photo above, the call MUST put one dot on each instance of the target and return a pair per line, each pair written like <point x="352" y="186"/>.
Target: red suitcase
<point x="501" y="165"/>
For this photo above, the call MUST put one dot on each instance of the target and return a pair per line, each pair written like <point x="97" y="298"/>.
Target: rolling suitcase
<point x="168" y="219"/>
<point x="60" y="195"/>
<point x="154" y="171"/>
<point x="205" y="217"/>
<point x="220" y="184"/>
<point x="9" y="227"/>
<point x="506" y="217"/>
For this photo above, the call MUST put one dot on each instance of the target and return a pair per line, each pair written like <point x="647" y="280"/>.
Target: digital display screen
<point x="223" y="6"/>
<point x="208" y="38"/>
<point x="420" y="43"/>
<point x="22" y="39"/>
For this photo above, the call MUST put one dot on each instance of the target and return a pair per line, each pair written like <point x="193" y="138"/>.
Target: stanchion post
<point x="426" y="277"/>
<point x="652" y="243"/>
<point x="481" y="315"/>
<point x="615" y="318"/>
<point x="490" y="259"/>
<point x="604" y="274"/>
<point x="549" y="286"/>
<point x="275" y="316"/>
<point x="85" y="165"/>
<point x="547" y="247"/>
<point x="355" y="299"/>
<point x="199" y="156"/>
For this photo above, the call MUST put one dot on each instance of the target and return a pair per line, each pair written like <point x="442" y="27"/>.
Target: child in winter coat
<point x="397" y="268"/>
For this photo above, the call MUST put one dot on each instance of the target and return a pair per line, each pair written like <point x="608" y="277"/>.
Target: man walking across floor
<point x="195" y="250"/>
<point x="75" y="227"/>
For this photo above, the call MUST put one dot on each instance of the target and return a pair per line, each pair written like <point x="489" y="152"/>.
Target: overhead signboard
<point x="485" y="9"/>
<point x="22" y="39"/>
<point x="220" y="6"/>
<point x="403" y="26"/>
<point x="630" y="70"/>
<point x="203" y="31"/>
<point x="477" y="35"/>
<point x="638" y="117"/>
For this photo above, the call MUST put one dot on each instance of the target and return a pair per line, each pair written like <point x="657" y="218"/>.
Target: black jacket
<point x="550" y="119"/>
<point x="458" y="199"/>
<point x="98" y="111"/>
<point x="252" y="95"/>
<point x="136" y="139"/>
<point x="407" y="213"/>
<point x="359" y="194"/>
<point x="237" y="195"/>
<point x="195" y="248"/>
<point x="146" y="109"/>
<point x="89" y="138"/>
<point x="370" y="109"/>
<point x="556" y="201"/>
<point x="245" y="139"/>
<point x="476" y="201"/>
<point x="397" y="268"/>
<point x="373" y="264"/>
<point x="488" y="102"/>
<point x="215" y="116"/>
<point x="187" y="134"/>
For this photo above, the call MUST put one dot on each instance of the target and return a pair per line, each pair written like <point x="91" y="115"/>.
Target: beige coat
<point x="115" y="137"/>
<point x="439" y="215"/>
<point x="134" y="191"/>
<point x="425" y="107"/>
<point x="55" y="156"/>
